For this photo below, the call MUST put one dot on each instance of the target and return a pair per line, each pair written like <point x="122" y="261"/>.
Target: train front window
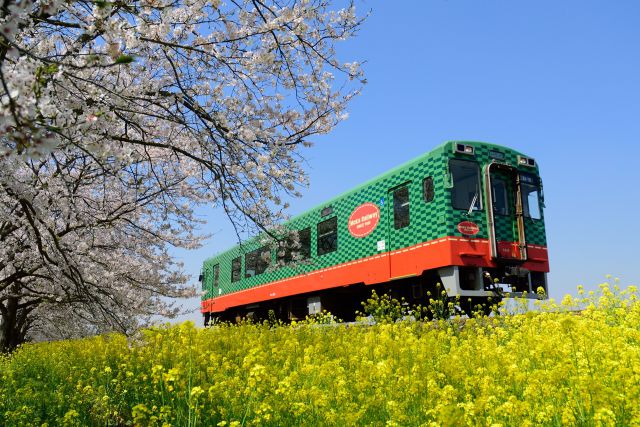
<point x="465" y="193"/>
<point x="529" y="185"/>
<point x="531" y="201"/>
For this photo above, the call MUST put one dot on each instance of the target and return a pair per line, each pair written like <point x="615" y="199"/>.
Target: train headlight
<point x="526" y="161"/>
<point x="465" y="149"/>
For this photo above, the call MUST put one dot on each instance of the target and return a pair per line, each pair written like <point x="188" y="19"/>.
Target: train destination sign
<point x="468" y="228"/>
<point x="363" y="220"/>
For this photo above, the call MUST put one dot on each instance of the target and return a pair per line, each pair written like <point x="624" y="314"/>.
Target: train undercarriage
<point x="472" y="289"/>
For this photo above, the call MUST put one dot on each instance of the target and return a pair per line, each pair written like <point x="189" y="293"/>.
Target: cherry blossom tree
<point x="88" y="242"/>
<point x="118" y="118"/>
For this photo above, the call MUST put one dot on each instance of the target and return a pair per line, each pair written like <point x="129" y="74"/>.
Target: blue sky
<point x="559" y="81"/>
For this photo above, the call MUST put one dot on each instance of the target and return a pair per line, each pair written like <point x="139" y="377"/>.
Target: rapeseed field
<point x="576" y="362"/>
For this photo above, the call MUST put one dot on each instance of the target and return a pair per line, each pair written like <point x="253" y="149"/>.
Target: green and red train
<point x="467" y="215"/>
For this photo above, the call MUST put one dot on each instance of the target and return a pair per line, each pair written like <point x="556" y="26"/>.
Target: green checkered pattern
<point x="428" y="220"/>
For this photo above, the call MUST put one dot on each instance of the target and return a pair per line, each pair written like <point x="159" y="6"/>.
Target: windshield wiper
<point x="473" y="202"/>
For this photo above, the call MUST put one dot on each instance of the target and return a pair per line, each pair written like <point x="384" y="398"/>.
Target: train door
<point x="398" y="227"/>
<point x="505" y="212"/>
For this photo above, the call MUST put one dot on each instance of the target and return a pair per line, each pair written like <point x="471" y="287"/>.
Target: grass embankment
<point x="552" y="367"/>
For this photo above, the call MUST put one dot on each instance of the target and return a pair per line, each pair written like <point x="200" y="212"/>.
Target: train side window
<point x="428" y="190"/>
<point x="304" y="237"/>
<point x="284" y="254"/>
<point x="465" y="193"/>
<point x="257" y="261"/>
<point x="401" y="207"/>
<point x="327" y="236"/>
<point x="298" y="243"/>
<point x="264" y="259"/>
<point x="203" y="278"/>
<point x="216" y="275"/>
<point x="250" y="259"/>
<point x="236" y="269"/>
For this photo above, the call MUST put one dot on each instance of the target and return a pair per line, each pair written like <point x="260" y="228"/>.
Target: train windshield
<point x="530" y="197"/>
<point x="465" y="193"/>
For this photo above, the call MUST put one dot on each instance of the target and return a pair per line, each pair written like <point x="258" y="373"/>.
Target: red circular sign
<point x="363" y="220"/>
<point x="468" y="228"/>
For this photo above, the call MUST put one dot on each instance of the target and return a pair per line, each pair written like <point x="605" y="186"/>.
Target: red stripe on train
<point x="379" y="268"/>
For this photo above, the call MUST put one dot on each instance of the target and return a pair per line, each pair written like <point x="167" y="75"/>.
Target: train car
<point x="467" y="215"/>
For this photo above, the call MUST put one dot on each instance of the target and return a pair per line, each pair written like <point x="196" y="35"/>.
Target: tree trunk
<point x="14" y="324"/>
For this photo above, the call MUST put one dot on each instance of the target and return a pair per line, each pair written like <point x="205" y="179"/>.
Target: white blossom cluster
<point x="117" y="118"/>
